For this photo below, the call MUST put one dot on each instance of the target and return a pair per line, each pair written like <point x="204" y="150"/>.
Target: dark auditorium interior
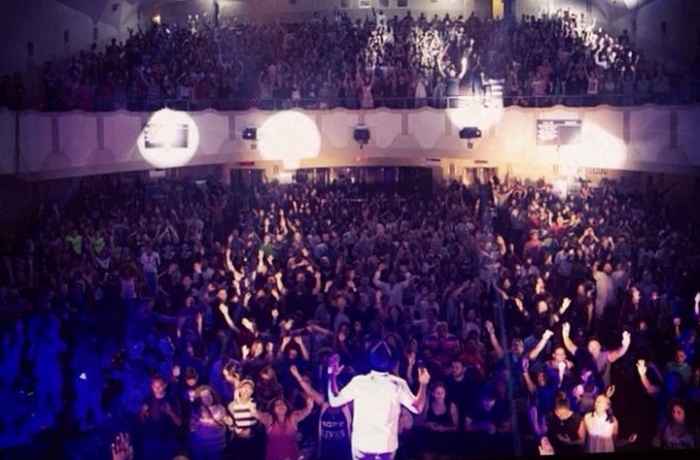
<point x="349" y="229"/>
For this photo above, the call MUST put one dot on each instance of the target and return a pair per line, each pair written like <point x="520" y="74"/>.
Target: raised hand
<point x="577" y="391"/>
<point x="626" y="338"/>
<point x="411" y="359"/>
<point x="230" y="377"/>
<point x="287" y="324"/>
<point x="334" y="366"/>
<point x="565" y="329"/>
<point x="610" y="391"/>
<point x="121" y="447"/>
<point x="294" y="371"/>
<point x="489" y="327"/>
<point x="176" y="371"/>
<point x="525" y="365"/>
<point x="547" y="334"/>
<point x="641" y="367"/>
<point x="519" y="303"/>
<point x="565" y="304"/>
<point x="697" y="297"/>
<point x="423" y="376"/>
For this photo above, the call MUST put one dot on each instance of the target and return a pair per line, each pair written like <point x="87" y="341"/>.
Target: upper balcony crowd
<point x="408" y="62"/>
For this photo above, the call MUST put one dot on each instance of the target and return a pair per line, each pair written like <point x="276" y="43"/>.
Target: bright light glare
<point x="290" y="165"/>
<point x="561" y="188"/>
<point x="169" y="139"/>
<point x="289" y="136"/>
<point x="631" y="4"/>
<point x="598" y="149"/>
<point x="285" y="177"/>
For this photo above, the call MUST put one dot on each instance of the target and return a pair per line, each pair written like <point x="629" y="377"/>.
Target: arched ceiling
<point x="115" y="12"/>
<point x="112" y="12"/>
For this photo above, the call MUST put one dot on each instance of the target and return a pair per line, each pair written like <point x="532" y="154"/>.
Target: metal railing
<point x="689" y="97"/>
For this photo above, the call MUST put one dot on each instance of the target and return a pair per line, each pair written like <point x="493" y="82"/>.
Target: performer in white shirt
<point x="377" y="398"/>
<point x="150" y="260"/>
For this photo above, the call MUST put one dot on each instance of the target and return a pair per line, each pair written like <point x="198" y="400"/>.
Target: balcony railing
<point x="352" y="103"/>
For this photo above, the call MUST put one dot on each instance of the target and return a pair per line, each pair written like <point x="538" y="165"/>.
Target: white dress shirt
<point x="377" y="399"/>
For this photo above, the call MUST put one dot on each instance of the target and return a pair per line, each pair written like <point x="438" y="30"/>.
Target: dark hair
<point x="438" y="383"/>
<point x="202" y="388"/>
<point x="561" y="401"/>
<point x="271" y="408"/>
<point x="191" y="373"/>
<point x="683" y="405"/>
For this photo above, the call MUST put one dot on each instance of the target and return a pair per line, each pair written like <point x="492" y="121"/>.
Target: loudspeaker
<point x="470" y="133"/>
<point x="361" y="134"/>
<point x="250" y="134"/>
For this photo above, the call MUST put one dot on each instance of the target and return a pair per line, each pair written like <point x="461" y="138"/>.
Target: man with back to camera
<point x="377" y="398"/>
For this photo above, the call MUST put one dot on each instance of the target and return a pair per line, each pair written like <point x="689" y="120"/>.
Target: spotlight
<point x="250" y="134"/>
<point x="361" y="135"/>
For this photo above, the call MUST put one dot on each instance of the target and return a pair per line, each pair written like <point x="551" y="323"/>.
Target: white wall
<point x="683" y="25"/>
<point x="73" y="144"/>
<point x="43" y="22"/>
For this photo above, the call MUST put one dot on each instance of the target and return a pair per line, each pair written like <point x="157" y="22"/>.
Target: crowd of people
<point x="201" y="322"/>
<point x="334" y="62"/>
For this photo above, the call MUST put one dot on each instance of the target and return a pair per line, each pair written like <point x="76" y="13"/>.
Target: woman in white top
<point x="421" y="92"/>
<point x="602" y="428"/>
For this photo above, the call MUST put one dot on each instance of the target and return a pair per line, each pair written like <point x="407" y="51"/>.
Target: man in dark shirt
<point x="460" y="389"/>
<point x="161" y="419"/>
<point x="489" y="419"/>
